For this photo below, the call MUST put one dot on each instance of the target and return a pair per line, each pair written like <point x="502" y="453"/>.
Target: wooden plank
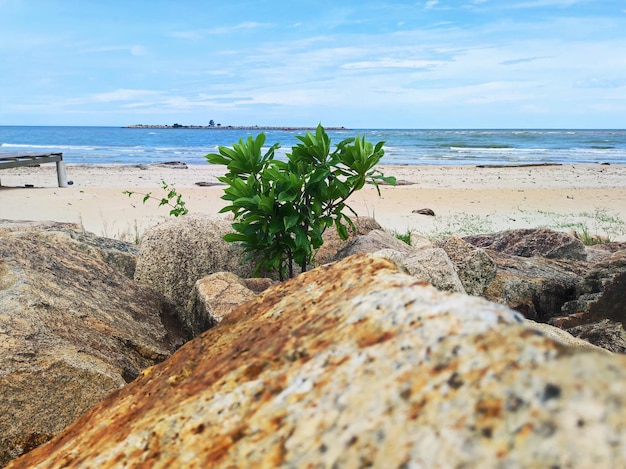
<point x="29" y="160"/>
<point x="16" y="161"/>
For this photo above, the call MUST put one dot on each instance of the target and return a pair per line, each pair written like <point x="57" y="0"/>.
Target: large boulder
<point x="177" y="253"/>
<point x="212" y="298"/>
<point x="602" y="294"/>
<point x="536" y="287"/>
<point x="373" y="241"/>
<point x="72" y="329"/>
<point x="356" y="364"/>
<point x="547" y="277"/>
<point x="430" y="265"/>
<point x="476" y="270"/>
<point x="116" y="253"/>
<point x="598" y="313"/>
<point x="333" y="242"/>
<point x="605" y="333"/>
<point x="532" y="242"/>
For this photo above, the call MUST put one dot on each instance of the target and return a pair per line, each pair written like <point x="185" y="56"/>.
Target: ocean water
<point x="115" y="145"/>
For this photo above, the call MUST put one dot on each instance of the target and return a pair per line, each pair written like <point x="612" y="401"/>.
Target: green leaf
<point x="291" y="220"/>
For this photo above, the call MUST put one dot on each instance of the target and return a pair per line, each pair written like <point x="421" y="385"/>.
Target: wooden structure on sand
<point x="14" y="161"/>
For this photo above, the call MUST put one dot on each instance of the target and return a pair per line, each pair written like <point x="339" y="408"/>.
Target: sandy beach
<point x="464" y="199"/>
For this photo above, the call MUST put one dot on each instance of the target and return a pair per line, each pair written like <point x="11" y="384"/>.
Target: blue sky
<point x="360" y="64"/>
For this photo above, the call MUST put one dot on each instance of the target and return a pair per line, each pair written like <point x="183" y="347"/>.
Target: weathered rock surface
<point x="598" y="312"/>
<point x="476" y="270"/>
<point x="212" y="298"/>
<point x="602" y="294"/>
<point x="371" y="242"/>
<point x="532" y="242"/>
<point x="563" y="337"/>
<point x="177" y="253"/>
<point x="536" y="287"/>
<point x="72" y="329"/>
<point x="432" y="265"/>
<point x="547" y="277"/>
<point x="358" y="365"/>
<point x="605" y="333"/>
<point x="118" y="254"/>
<point x="333" y="243"/>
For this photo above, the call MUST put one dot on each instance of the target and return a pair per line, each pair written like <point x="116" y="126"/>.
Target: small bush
<point x="282" y="208"/>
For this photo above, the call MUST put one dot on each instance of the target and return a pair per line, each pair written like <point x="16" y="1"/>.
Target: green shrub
<point x="282" y="208"/>
<point x="171" y="198"/>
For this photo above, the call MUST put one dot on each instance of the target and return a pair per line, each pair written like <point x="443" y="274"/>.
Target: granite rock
<point x="333" y="243"/>
<point x="72" y="329"/>
<point x="532" y="242"/>
<point x="431" y="265"/>
<point x="179" y="252"/>
<point x="213" y="297"/>
<point x="476" y="270"/>
<point x="356" y="364"/>
<point x="371" y="242"/>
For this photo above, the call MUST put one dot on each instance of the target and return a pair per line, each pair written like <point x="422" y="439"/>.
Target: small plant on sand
<point x="282" y="208"/>
<point x="589" y="239"/>
<point x="171" y="198"/>
<point x="404" y="236"/>
<point x="464" y="224"/>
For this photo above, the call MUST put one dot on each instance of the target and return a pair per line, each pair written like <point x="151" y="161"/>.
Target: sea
<point x="130" y="146"/>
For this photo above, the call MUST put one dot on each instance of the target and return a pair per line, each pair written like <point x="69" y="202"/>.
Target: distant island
<point x="213" y="126"/>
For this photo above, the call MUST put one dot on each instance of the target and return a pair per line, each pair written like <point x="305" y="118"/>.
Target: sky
<point x="359" y="64"/>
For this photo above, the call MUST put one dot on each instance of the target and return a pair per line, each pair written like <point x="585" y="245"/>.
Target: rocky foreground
<point x="390" y="359"/>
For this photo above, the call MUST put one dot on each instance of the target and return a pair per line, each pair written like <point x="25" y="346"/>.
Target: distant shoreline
<point x="226" y="127"/>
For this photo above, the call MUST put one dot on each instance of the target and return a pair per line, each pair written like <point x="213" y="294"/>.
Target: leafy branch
<point x="171" y="198"/>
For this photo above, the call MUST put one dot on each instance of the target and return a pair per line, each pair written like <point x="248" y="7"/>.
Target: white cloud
<point x="522" y="60"/>
<point x="545" y="3"/>
<point x="122" y="95"/>
<point x="198" y="34"/>
<point x="135" y="49"/>
<point x="390" y="63"/>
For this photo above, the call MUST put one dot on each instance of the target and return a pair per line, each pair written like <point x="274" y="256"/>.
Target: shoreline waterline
<point x="104" y="145"/>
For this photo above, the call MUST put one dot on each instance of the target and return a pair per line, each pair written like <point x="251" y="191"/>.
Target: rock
<point x="419" y="241"/>
<point x="430" y="265"/>
<point x="532" y="242"/>
<point x="534" y="286"/>
<point x="212" y="298"/>
<point x="475" y="269"/>
<point x="598" y="312"/>
<point x="424" y="211"/>
<point x="373" y="241"/>
<point x="177" y="253"/>
<point x="605" y="333"/>
<point x="602" y="294"/>
<point x="118" y="254"/>
<point x="333" y="243"/>
<point x="598" y="252"/>
<point x="564" y="337"/>
<point x="355" y="364"/>
<point x="258" y="284"/>
<point x="72" y="329"/>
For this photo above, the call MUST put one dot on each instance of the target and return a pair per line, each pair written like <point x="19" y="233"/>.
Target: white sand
<point x="464" y="199"/>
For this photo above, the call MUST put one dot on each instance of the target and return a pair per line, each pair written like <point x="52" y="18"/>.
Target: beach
<point x="464" y="199"/>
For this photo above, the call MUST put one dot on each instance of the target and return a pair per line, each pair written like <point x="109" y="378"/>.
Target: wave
<point x="456" y="146"/>
<point x="61" y="147"/>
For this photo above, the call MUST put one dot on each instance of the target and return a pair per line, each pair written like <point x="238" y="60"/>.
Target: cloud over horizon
<point x="398" y="64"/>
